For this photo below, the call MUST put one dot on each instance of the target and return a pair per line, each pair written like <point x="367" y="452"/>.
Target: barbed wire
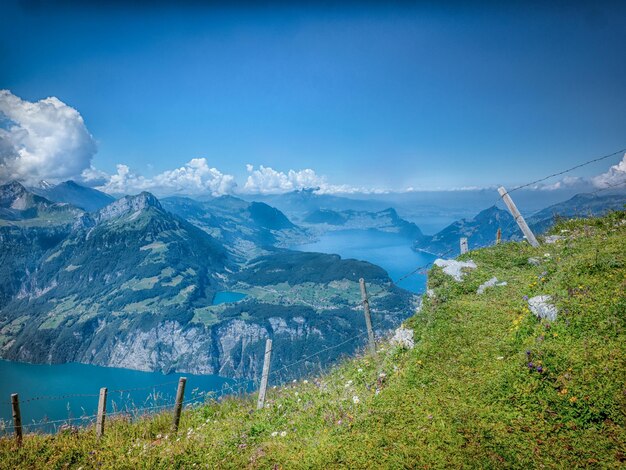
<point x="148" y="387"/>
<point x="304" y="359"/>
<point x="588" y="162"/>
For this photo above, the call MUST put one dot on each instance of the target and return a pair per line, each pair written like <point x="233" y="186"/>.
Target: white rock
<point x="553" y="238"/>
<point x="490" y="283"/>
<point x="454" y="268"/>
<point x="534" y="261"/>
<point x="430" y="293"/>
<point x="403" y="338"/>
<point x="541" y="307"/>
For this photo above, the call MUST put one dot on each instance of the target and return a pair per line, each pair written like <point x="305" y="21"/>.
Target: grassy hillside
<point x="488" y="385"/>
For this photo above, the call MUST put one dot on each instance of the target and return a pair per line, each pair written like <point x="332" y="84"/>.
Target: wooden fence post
<point x="178" y="407"/>
<point x="368" y="318"/>
<point x="102" y="409"/>
<point x="518" y="217"/>
<point x="498" y="236"/>
<point x="463" y="242"/>
<point x="17" y="418"/>
<point x="266" y="372"/>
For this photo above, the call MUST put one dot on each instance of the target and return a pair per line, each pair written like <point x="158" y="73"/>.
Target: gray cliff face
<point x="127" y="205"/>
<point x="166" y="347"/>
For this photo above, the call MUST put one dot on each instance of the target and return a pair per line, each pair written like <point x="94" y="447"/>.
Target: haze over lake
<point x="390" y="251"/>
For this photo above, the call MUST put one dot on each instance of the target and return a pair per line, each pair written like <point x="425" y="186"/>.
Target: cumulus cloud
<point x="614" y="177"/>
<point x="266" y="180"/>
<point x="193" y="178"/>
<point x="46" y="139"/>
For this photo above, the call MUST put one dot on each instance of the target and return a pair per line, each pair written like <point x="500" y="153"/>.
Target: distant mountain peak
<point x="15" y="196"/>
<point x="43" y="184"/>
<point x="128" y="205"/>
<point x="490" y="213"/>
<point x="71" y="192"/>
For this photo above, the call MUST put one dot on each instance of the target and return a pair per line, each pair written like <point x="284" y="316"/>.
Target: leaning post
<point x="17" y="418"/>
<point x="518" y="217"/>
<point x="266" y="372"/>
<point x="102" y="410"/>
<point x="368" y="318"/>
<point x="178" y="407"/>
<point x="498" y="236"/>
<point x="463" y="243"/>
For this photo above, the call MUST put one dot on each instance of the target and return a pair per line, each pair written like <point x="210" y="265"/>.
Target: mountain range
<point x="132" y="284"/>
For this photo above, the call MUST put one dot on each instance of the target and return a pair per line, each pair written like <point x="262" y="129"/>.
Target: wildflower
<point x="158" y="436"/>
<point x="355" y="400"/>
<point x="359" y="370"/>
<point x="275" y="433"/>
<point x="377" y="391"/>
<point x="294" y="381"/>
<point x="525" y="298"/>
<point x="283" y="433"/>
<point x="531" y="365"/>
<point x="299" y="400"/>
<point x="305" y="381"/>
<point x="563" y="391"/>
<point x="539" y="369"/>
<point x="573" y="400"/>
<point x="499" y="358"/>
<point x="296" y="394"/>
<point x="382" y="375"/>
<point x="528" y="352"/>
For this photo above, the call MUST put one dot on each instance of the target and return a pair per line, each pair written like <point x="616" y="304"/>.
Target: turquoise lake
<point x="225" y="297"/>
<point x="388" y="250"/>
<point x="37" y="380"/>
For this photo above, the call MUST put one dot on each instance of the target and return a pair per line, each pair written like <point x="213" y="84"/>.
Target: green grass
<point x="464" y="397"/>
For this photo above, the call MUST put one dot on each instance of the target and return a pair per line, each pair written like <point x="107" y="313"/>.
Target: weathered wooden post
<point x="178" y="407"/>
<point x="17" y="418"/>
<point x="463" y="243"/>
<point x="518" y="217"/>
<point x="266" y="372"/>
<point x="498" y="236"/>
<point x="368" y="318"/>
<point x="102" y="409"/>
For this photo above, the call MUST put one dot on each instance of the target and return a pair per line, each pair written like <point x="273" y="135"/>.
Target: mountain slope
<point x="247" y="229"/>
<point x="487" y="385"/>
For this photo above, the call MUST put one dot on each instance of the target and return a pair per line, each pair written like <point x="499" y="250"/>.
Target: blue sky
<point x="374" y="97"/>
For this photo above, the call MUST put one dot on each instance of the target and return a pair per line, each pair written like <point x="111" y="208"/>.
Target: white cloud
<point x="567" y="182"/>
<point x="46" y="139"/>
<point x="615" y="176"/>
<point x="193" y="178"/>
<point x="266" y="180"/>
